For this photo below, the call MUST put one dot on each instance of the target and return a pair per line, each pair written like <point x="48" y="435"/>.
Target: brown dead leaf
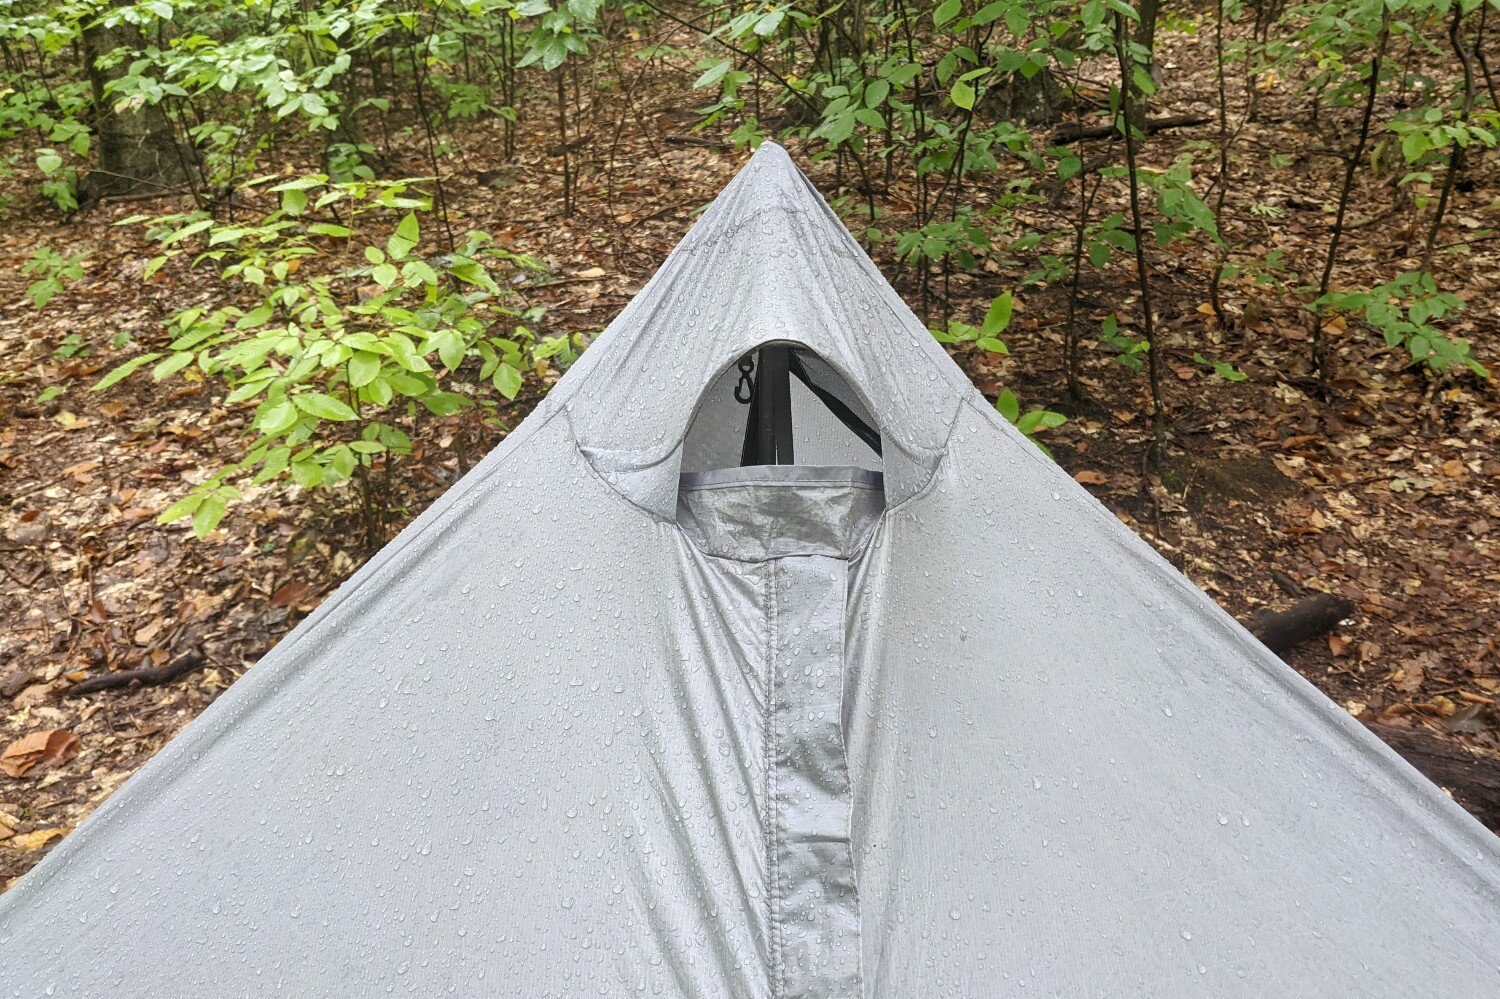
<point x="1337" y="644"/>
<point x="31" y="696"/>
<point x="39" y="751"/>
<point x="290" y="595"/>
<point x="26" y="842"/>
<point x="143" y="636"/>
<point x="1440" y="705"/>
<point x="13" y="683"/>
<point x="1090" y="477"/>
<point x="1408" y="676"/>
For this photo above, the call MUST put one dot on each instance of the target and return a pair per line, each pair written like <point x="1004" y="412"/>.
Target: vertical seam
<point x="859" y="921"/>
<point x="773" y="846"/>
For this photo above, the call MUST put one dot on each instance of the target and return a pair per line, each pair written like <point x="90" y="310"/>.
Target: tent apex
<point x="769" y="150"/>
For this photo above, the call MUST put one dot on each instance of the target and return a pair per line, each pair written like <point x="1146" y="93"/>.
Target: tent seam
<point x="773" y="838"/>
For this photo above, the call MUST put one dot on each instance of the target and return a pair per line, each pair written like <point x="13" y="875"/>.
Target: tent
<point x="765" y="661"/>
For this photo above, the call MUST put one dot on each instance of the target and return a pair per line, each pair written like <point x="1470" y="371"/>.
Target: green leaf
<point x="767" y="25"/>
<point x="1143" y="81"/>
<point x="1008" y="406"/>
<point x="385" y="275"/>
<point x="993" y="345"/>
<point x="445" y="403"/>
<point x="946" y="11"/>
<point x="173" y="364"/>
<point x="294" y="202"/>
<point x="997" y="319"/>
<point x="307" y="473"/>
<point x="713" y="74"/>
<point x="838" y="128"/>
<point x="1039" y="419"/>
<point x="342" y="461"/>
<point x="990" y="12"/>
<point x="255" y="317"/>
<point x="417" y="272"/>
<point x="451" y="351"/>
<point x="208" y="515"/>
<point x="324" y="406"/>
<point x="1223" y="369"/>
<point x="962" y="95"/>
<point x="123" y="371"/>
<point x="363" y="367"/>
<point x="190" y="229"/>
<point x="274" y="464"/>
<point x="404" y="238"/>
<point x="249" y="389"/>
<point x="379" y="392"/>
<point x="1414" y="146"/>
<point x="507" y="380"/>
<point x="49" y="393"/>
<point x="277" y="419"/>
<point x="180" y="509"/>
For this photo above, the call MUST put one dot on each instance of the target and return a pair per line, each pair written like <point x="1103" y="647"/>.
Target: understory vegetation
<point x="349" y="303"/>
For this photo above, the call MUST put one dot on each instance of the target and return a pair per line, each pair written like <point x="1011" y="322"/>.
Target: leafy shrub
<point x="339" y="330"/>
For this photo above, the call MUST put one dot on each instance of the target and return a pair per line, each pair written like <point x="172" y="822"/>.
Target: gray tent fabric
<point x="618" y="717"/>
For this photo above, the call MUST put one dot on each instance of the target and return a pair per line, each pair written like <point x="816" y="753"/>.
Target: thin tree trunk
<point x="1484" y="64"/>
<point x="1319" y="344"/>
<point x="1456" y="159"/>
<point x="1071" y="360"/>
<point x="1148" y="323"/>
<point x="419" y="86"/>
<point x="1145" y="31"/>
<point x="562" y="138"/>
<point x="1223" y="179"/>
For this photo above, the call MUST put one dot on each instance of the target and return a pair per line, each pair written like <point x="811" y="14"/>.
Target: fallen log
<point x="678" y="139"/>
<point x="1471" y="776"/>
<point x="1307" y="618"/>
<point x="1074" y="131"/>
<point x="150" y="676"/>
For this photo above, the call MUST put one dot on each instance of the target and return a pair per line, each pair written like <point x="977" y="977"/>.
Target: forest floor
<point x="1387" y="495"/>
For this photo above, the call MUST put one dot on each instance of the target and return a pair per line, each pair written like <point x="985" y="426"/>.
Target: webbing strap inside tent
<point x="768" y="428"/>
<point x="836" y="406"/>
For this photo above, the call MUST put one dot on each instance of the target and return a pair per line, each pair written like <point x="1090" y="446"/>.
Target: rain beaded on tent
<point x="764" y="660"/>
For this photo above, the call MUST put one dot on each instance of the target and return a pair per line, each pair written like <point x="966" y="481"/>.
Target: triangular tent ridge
<point x="617" y="717"/>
